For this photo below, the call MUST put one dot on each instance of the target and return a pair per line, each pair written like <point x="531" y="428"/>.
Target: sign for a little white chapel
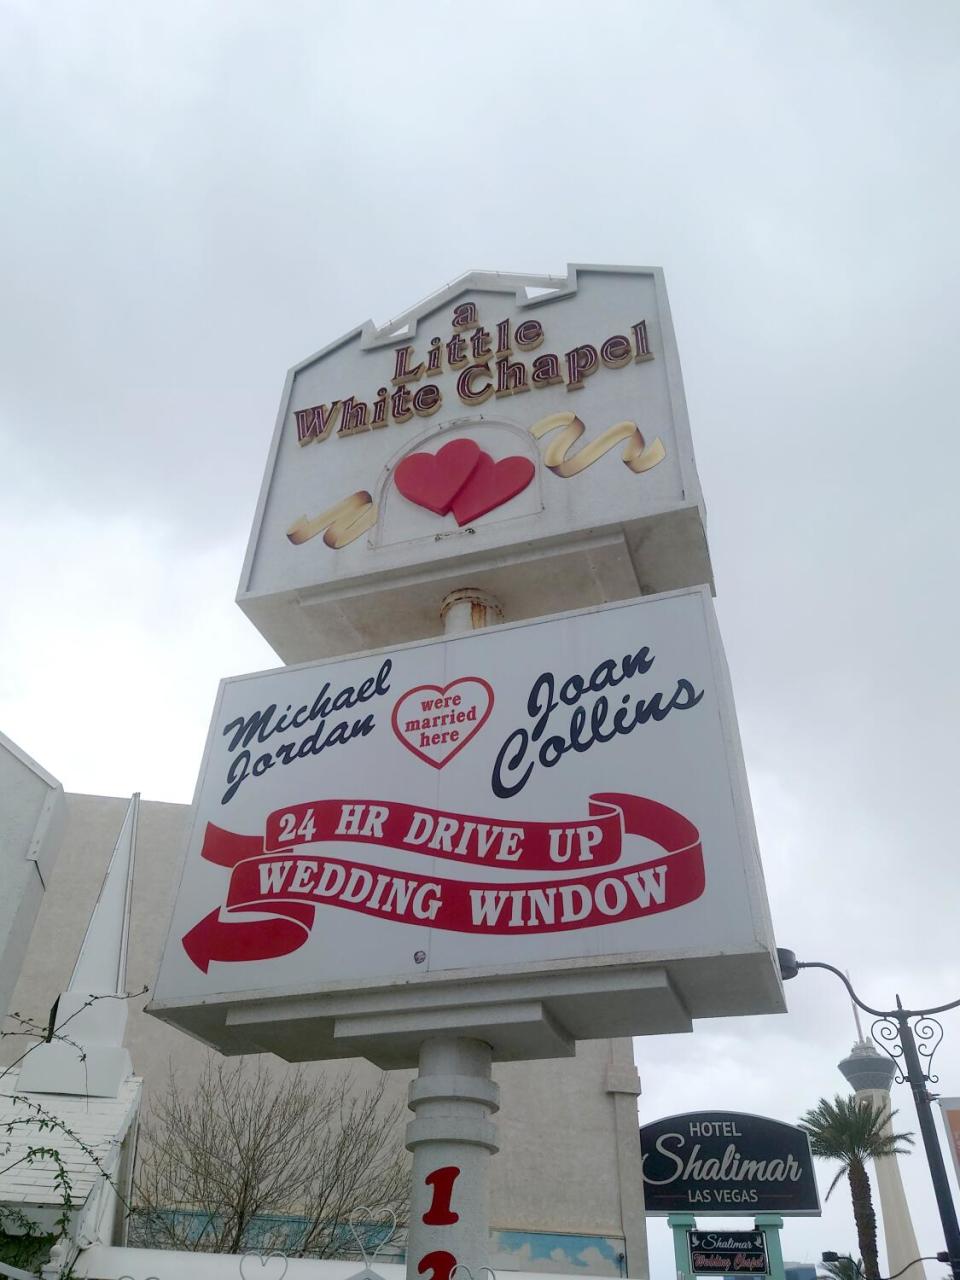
<point x="553" y="807"/>
<point x="530" y="430"/>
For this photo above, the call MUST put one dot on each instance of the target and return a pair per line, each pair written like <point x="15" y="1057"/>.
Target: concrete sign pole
<point x="453" y="1097"/>
<point x="452" y="1140"/>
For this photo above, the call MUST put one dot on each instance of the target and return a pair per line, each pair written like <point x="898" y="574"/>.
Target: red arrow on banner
<point x="214" y="939"/>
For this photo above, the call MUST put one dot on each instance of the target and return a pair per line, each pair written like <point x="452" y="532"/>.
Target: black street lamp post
<point x="893" y="1031"/>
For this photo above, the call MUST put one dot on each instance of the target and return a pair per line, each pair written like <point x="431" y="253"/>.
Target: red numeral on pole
<point x="439" y="1263"/>
<point x="440" y="1214"/>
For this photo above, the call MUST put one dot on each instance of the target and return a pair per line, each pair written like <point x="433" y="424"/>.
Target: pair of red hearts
<point x="462" y="478"/>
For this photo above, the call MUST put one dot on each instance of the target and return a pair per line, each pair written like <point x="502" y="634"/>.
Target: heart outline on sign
<point x="385" y="1216"/>
<point x="462" y="1266"/>
<point x="263" y="1259"/>
<point x="442" y="691"/>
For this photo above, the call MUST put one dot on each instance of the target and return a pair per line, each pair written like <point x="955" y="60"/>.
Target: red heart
<point x="490" y="485"/>
<point x="433" y="480"/>
<point x="435" y="723"/>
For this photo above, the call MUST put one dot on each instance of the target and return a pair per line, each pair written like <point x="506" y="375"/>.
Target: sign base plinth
<point x="613" y="562"/>
<point x="521" y="1017"/>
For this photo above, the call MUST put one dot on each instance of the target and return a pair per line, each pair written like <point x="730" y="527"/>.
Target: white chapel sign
<point x="531" y="431"/>
<point x="550" y="814"/>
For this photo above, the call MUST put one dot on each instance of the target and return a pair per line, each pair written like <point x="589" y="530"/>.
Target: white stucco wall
<point x="31" y="820"/>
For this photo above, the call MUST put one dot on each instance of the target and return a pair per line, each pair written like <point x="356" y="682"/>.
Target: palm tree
<point x="844" y="1269"/>
<point x="852" y="1130"/>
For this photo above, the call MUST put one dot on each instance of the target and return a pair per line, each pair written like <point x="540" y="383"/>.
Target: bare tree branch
<point x="246" y="1159"/>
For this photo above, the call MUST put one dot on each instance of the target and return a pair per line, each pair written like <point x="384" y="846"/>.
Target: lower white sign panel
<point x="545" y="807"/>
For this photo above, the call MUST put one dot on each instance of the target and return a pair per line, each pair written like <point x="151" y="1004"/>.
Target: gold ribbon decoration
<point x="344" y="522"/>
<point x="352" y="516"/>
<point x="637" y="454"/>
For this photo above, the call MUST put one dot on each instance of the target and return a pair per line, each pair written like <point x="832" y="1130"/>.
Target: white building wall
<point x="566" y="1191"/>
<point x="31" y="820"/>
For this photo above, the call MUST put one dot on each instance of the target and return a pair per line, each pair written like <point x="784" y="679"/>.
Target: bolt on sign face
<point x="536" y="834"/>
<point x="505" y="422"/>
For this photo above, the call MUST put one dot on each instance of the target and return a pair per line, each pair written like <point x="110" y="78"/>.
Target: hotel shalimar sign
<point x="528" y="835"/>
<point x="528" y="432"/>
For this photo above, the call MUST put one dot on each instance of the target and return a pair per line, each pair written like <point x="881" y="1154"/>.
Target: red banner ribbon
<point x="269" y="876"/>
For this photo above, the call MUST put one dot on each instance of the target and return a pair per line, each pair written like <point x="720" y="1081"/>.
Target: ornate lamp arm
<point x="789" y="965"/>
<point x="819" y="964"/>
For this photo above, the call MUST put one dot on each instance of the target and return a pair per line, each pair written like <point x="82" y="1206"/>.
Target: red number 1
<point x="441" y="1180"/>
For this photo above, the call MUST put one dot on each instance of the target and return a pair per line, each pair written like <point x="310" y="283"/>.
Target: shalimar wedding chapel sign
<point x="535" y="834"/>
<point x="527" y="431"/>
<point x="727" y="1253"/>
<point x="727" y="1162"/>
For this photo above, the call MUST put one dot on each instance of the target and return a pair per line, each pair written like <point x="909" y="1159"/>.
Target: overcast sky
<point x="197" y="195"/>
